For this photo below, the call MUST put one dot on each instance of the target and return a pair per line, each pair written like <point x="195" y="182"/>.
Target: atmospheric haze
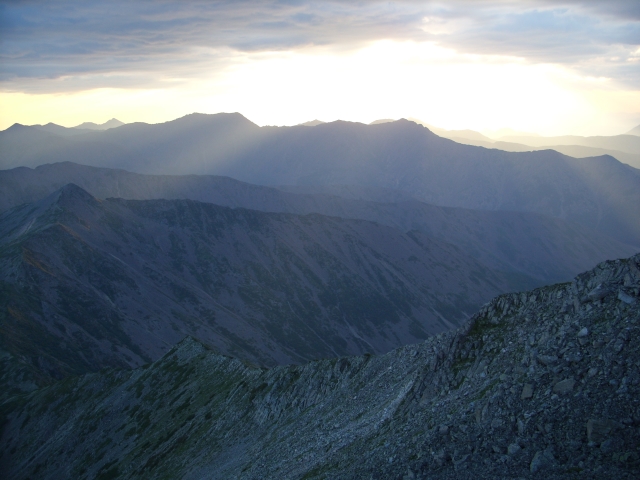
<point x="480" y="65"/>
<point x="284" y="240"/>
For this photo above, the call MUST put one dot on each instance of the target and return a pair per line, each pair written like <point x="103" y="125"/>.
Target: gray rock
<point x="606" y="446"/>
<point x="547" y="359"/>
<point x="513" y="449"/>
<point x="564" y="386"/>
<point x="527" y="391"/>
<point x="584" y="332"/>
<point x="409" y="475"/>
<point x="624" y="297"/>
<point x="598" y="293"/>
<point x="577" y="302"/>
<point x="599" y="430"/>
<point x="542" y="460"/>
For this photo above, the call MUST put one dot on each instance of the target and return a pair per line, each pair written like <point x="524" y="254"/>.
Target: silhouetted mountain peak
<point x="404" y="121"/>
<point x="17" y="127"/>
<point x="195" y="118"/>
<point x="71" y="190"/>
<point x="27" y="218"/>
<point x="71" y="195"/>
<point x="382" y="120"/>
<point x="113" y="123"/>
<point x="311" y="123"/>
<point x="31" y="133"/>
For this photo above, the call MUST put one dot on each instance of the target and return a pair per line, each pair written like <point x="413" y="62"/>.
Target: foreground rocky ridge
<point x="541" y="383"/>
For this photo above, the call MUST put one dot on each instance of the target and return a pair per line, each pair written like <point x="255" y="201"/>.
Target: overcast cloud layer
<point x="67" y="46"/>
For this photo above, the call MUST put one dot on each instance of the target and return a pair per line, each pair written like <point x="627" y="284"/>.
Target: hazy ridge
<point x="598" y="192"/>
<point x="541" y="247"/>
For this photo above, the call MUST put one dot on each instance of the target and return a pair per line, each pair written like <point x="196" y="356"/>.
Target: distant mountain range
<point x="313" y="302"/>
<point x="113" y="123"/>
<point x="621" y="147"/>
<point x="78" y="130"/>
<point x="634" y="131"/>
<point x="599" y="192"/>
<point x="311" y="123"/>
<point x="544" y="248"/>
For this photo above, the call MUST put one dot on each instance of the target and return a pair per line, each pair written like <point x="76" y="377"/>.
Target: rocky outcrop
<point x="542" y="383"/>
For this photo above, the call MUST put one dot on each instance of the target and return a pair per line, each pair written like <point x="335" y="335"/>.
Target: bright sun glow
<point x="387" y="79"/>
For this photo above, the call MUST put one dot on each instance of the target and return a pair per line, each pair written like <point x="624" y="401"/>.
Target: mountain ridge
<point x="543" y="382"/>
<point x="90" y="283"/>
<point x="112" y="123"/>
<point x="634" y="131"/>
<point x="551" y="250"/>
<point x="598" y="192"/>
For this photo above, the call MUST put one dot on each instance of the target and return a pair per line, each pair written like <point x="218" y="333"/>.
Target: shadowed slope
<point x="91" y="283"/>
<point x="542" y="247"/>
<point x="542" y="383"/>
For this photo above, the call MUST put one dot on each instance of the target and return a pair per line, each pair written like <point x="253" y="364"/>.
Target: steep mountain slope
<point x="625" y="143"/>
<point x="191" y="144"/>
<point x="87" y="284"/>
<point x="25" y="145"/>
<point x="620" y="147"/>
<point x="576" y="151"/>
<point x="543" y="383"/>
<point x="599" y="192"/>
<point x="541" y="247"/>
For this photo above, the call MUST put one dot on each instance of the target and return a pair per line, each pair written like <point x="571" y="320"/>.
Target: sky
<point x="547" y="67"/>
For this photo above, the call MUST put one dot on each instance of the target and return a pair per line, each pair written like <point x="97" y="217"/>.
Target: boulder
<point x="527" y="391"/>
<point x="599" y="430"/>
<point x="564" y="386"/>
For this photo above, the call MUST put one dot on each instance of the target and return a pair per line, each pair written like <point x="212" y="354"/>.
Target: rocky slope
<point x="541" y="384"/>
<point x="599" y="192"/>
<point x="548" y="249"/>
<point x="86" y="284"/>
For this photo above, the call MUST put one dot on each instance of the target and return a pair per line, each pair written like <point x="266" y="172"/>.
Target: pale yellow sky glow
<point x="384" y="80"/>
<point x="484" y="67"/>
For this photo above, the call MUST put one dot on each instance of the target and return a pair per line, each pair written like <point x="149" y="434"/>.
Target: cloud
<point x="68" y="46"/>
